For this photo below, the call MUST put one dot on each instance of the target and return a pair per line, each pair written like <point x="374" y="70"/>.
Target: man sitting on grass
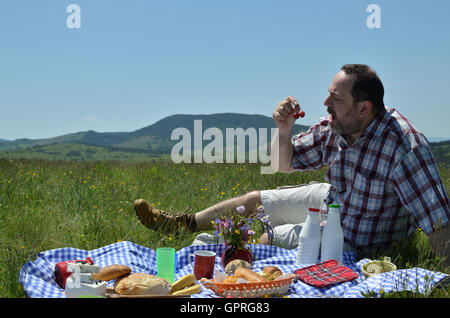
<point x="380" y="168"/>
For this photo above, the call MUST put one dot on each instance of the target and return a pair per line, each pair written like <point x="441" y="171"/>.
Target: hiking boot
<point x="160" y="220"/>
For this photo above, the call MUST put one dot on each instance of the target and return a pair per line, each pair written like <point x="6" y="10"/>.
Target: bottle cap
<point x="314" y="210"/>
<point x="334" y="206"/>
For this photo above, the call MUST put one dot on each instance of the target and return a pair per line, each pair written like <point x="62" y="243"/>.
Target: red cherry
<point x="301" y="114"/>
<point x="296" y="115"/>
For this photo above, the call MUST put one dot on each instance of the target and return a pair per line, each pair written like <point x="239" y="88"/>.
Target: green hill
<point x="153" y="141"/>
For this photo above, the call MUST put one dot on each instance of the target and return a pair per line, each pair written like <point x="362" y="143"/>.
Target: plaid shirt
<point x="387" y="182"/>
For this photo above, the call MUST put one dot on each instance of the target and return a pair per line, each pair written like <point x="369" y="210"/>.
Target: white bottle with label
<point x="332" y="236"/>
<point x="309" y="239"/>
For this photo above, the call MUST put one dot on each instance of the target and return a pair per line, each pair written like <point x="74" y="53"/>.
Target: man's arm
<point x="421" y="191"/>
<point x="281" y="152"/>
<point x="281" y="149"/>
<point x="440" y="241"/>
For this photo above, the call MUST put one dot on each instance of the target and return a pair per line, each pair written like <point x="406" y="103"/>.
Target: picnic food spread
<point x="81" y="278"/>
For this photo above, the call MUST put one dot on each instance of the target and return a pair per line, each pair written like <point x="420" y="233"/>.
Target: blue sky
<point x="134" y="62"/>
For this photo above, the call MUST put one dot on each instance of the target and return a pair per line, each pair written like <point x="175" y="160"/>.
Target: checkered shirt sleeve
<point x="418" y="183"/>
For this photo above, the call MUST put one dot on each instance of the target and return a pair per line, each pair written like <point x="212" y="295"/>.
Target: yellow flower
<point x="236" y="231"/>
<point x="170" y="238"/>
<point x="118" y="241"/>
<point x="222" y="193"/>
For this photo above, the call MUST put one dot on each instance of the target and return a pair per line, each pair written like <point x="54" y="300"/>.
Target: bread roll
<point x="234" y="264"/>
<point x="111" y="272"/>
<point x="271" y="272"/>
<point x="142" y="284"/>
<point x="249" y="275"/>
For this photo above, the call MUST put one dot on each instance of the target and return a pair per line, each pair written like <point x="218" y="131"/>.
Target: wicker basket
<point x="249" y="290"/>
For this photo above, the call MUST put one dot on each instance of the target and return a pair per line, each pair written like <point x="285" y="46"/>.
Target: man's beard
<point x="349" y="127"/>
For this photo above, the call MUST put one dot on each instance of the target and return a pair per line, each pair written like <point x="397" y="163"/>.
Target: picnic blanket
<point x="37" y="278"/>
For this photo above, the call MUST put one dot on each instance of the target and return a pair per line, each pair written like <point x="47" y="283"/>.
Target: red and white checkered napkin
<point x="325" y="274"/>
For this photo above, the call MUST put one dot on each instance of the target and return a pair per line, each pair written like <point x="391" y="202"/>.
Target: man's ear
<point x="365" y="108"/>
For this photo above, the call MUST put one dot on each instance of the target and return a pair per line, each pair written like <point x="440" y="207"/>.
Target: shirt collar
<point x="377" y="125"/>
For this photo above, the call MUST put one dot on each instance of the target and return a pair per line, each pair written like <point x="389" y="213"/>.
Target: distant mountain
<point x="3" y="140"/>
<point x="149" y="142"/>
<point x="154" y="139"/>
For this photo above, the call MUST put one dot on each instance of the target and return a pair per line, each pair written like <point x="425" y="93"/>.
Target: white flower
<point x="240" y="209"/>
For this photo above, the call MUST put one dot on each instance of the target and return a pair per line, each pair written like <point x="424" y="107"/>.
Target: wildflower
<point x="121" y="210"/>
<point x="240" y="209"/>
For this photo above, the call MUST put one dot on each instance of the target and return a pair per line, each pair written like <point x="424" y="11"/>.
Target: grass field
<point x="51" y="204"/>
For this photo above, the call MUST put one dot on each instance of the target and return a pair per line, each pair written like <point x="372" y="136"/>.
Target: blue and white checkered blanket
<point x="38" y="280"/>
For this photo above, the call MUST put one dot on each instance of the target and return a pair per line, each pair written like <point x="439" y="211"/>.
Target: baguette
<point x="249" y="275"/>
<point x="142" y="284"/>
<point x="111" y="272"/>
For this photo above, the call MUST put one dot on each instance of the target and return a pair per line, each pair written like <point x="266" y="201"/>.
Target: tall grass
<point x="51" y="204"/>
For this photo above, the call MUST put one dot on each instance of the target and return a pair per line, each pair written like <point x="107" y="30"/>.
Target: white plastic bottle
<point x="332" y="236"/>
<point x="309" y="239"/>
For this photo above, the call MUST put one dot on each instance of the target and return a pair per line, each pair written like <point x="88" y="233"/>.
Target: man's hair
<point x="366" y="86"/>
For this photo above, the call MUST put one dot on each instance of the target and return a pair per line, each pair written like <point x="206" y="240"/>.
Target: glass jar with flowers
<point x="238" y="232"/>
